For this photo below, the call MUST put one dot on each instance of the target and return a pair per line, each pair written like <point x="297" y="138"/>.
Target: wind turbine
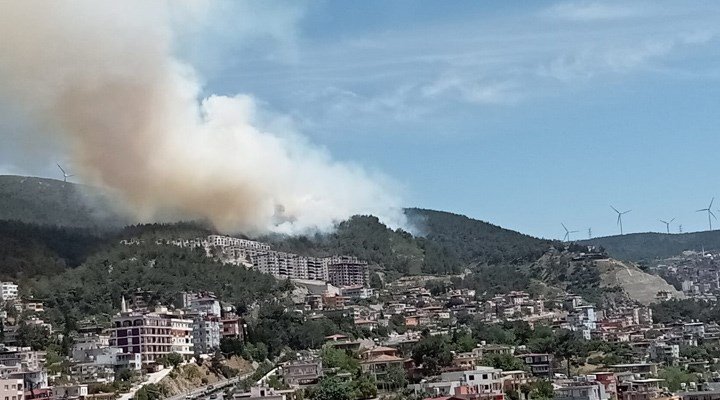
<point x="65" y="174"/>
<point x="667" y="224"/>
<point x="619" y="218"/>
<point x="567" y="233"/>
<point x="710" y="213"/>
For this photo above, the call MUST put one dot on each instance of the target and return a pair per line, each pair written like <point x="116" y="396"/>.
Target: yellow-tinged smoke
<point x="102" y="77"/>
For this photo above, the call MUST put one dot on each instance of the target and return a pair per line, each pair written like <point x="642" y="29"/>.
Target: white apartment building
<point x="225" y="241"/>
<point x="207" y="331"/>
<point x="12" y="389"/>
<point x="8" y="291"/>
<point x="582" y="391"/>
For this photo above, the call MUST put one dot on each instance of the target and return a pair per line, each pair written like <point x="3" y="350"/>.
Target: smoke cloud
<point x="103" y="78"/>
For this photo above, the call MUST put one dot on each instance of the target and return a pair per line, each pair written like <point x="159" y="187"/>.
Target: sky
<point x="523" y="114"/>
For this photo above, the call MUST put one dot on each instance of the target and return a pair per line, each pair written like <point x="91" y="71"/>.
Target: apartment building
<point x="347" y="271"/>
<point x="152" y="334"/>
<point x="12" y="389"/>
<point x="207" y="330"/>
<point x="581" y="391"/>
<point x="8" y="291"/>
<point x="227" y="241"/>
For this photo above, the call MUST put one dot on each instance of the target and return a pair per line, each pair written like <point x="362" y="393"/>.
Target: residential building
<point x="232" y="327"/>
<point x="581" y="391"/>
<point x="70" y="391"/>
<point x="539" y="364"/>
<point x="8" y="291"/>
<point x="347" y="271"/>
<point x="206" y="333"/>
<point x="302" y="372"/>
<point x="152" y="334"/>
<point x="12" y="389"/>
<point x="205" y="305"/>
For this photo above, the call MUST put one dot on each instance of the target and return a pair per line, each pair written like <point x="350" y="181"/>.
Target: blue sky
<point x="523" y="114"/>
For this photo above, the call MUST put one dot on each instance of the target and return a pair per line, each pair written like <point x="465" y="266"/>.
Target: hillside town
<point x="414" y="337"/>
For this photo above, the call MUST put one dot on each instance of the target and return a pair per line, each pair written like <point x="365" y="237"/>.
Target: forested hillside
<point x="650" y="246"/>
<point x="53" y="202"/>
<point x="29" y="250"/>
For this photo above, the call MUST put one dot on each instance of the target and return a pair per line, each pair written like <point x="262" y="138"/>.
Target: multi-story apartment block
<point x="8" y="291"/>
<point x="21" y="358"/>
<point x="12" y="389"/>
<point x="152" y="334"/>
<point x="582" y="391"/>
<point x="206" y="305"/>
<point x="206" y="333"/>
<point x="232" y="327"/>
<point x="226" y="241"/>
<point x="347" y="271"/>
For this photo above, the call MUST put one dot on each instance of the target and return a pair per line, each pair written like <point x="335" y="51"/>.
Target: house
<point x="642" y="369"/>
<point x="302" y="372"/>
<point x="581" y="391"/>
<point x="539" y="364"/>
<point x="377" y="366"/>
<point x="70" y="391"/>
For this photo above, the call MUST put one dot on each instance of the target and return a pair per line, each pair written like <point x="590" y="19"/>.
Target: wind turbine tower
<point x="65" y="174"/>
<point x="589" y="233"/>
<point x="667" y="224"/>
<point x="709" y="213"/>
<point x="567" y="233"/>
<point x="619" y="217"/>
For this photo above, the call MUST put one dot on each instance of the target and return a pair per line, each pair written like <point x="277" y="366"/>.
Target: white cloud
<point x="592" y="11"/>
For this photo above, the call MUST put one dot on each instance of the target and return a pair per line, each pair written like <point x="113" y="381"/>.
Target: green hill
<point x="52" y="202"/>
<point x="649" y="246"/>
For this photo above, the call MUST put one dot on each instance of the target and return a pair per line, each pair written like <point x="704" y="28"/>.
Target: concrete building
<point x="347" y="271"/>
<point x="539" y="364"/>
<point x="152" y="334"/>
<point x="206" y="333"/>
<point x="70" y="391"/>
<point x="232" y="327"/>
<point x="302" y="372"/>
<point x="206" y="305"/>
<point x="12" y="389"/>
<point x="581" y="391"/>
<point x="8" y="291"/>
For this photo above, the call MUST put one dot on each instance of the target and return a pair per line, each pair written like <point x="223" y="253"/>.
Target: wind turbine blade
<point x="664" y="222"/>
<point x="711" y="213"/>
<point x="619" y="219"/>
<point x="625" y="212"/>
<point x="615" y="209"/>
<point x="711" y="201"/>
<point x="61" y="168"/>
<point x="70" y="175"/>
<point x="672" y="220"/>
<point x="564" y="227"/>
<point x="703" y="209"/>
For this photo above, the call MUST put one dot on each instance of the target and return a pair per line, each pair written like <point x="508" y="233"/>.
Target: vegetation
<point x="55" y="203"/>
<point x="650" y="246"/>
<point x="685" y="310"/>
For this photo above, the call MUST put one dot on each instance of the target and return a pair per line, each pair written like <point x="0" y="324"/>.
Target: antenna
<point x="709" y="212"/>
<point x="566" y="238"/>
<point x="65" y="174"/>
<point x="619" y="217"/>
<point x="667" y="224"/>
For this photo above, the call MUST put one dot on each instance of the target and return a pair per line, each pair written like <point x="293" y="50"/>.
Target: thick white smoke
<point x="103" y="78"/>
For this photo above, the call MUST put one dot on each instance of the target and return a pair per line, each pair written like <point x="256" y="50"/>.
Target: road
<point x="216" y="387"/>
<point x="154" y="377"/>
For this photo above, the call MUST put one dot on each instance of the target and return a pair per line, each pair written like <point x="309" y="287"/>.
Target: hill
<point x="53" y="202"/>
<point x="644" y="247"/>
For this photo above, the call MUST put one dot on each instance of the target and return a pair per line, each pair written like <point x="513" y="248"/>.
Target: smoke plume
<point x="103" y="78"/>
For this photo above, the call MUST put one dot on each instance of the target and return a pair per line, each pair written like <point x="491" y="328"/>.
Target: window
<point x="471" y="377"/>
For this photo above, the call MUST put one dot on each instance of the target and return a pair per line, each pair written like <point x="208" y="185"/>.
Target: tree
<point x="363" y="388"/>
<point x="337" y="358"/>
<point x="505" y="362"/>
<point x="170" y="360"/>
<point x="542" y="389"/>
<point x="396" y="377"/>
<point x="432" y="352"/>
<point x="35" y="336"/>
<point x="332" y="389"/>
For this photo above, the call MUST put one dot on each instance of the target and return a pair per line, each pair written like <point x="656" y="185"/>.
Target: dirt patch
<point x="191" y="376"/>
